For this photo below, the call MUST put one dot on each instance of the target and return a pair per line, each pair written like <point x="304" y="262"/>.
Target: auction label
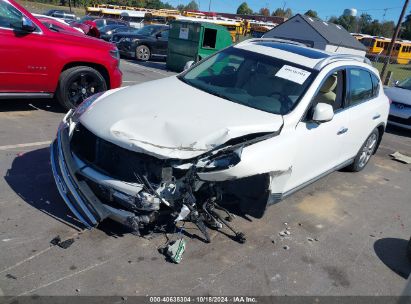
<point x="293" y="74"/>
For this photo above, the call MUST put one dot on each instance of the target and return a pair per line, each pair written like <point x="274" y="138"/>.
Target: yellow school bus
<point x="376" y="45"/>
<point x="402" y="52"/>
<point x="237" y="28"/>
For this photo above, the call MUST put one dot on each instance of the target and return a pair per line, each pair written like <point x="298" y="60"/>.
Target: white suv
<point x="248" y="125"/>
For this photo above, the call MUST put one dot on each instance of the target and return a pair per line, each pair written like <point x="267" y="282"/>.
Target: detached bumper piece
<point x="76" y="192"/>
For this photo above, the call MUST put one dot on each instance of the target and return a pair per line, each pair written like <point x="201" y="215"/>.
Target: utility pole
<point x="209" y="6"/>
<point x="69" y="5"/>
<point x="392" y="43"/>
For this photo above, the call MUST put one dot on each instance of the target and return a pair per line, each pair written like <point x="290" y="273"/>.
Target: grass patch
<point x="40" y="8"/>
<point x="400" y="71"/>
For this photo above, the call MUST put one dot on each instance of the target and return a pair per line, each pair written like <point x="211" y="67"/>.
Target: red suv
<point x="36" y="61"/>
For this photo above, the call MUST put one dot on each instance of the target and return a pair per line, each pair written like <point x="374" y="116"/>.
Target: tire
<point x="143" y="53"/>
<point x="78" y="83"/>
<point x="365" y="153"/>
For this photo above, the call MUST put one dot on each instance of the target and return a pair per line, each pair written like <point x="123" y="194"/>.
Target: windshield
<point x="148" y="30"/>
<point x="405" y="84"/>
<point x="262" y="82"/>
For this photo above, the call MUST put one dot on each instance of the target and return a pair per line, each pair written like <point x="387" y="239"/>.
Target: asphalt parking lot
<point x="348" y="231"/>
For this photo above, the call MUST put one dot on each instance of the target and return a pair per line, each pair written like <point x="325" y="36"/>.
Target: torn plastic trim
<point x="63" y="190"/>
<point x="68" y="180"/>
<point x="79" y="197"/>
<point x="105" y="180"/>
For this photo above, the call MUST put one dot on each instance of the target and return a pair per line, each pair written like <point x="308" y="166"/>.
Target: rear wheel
<point x="77" y="84"/>
<point x="365" y="153"/>
<point x="143" y="53"/>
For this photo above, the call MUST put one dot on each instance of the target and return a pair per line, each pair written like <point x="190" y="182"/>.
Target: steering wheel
<point x="286" y="102"/>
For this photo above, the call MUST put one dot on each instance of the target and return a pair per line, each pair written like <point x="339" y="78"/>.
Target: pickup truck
<point x="41" y="62"/>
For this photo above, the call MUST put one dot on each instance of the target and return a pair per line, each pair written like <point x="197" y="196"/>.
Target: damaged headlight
<point x="85" y="105"/>
<point x="223" y="161"/>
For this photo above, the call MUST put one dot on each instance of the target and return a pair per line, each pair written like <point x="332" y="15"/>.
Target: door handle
<point x="376" y="116"/>
<point x="342" y="131"/>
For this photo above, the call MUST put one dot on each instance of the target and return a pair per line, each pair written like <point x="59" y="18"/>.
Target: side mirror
<point x="396" y="82"/>
<point x="323" y="112"/>
<point x="158" y="35"/>
<point x="188" y="65"/>
<point x="27" y="25"/>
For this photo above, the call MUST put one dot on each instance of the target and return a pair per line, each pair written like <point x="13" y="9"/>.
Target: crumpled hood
<point x="398" y="95"/>
<point x="169" y="119"/>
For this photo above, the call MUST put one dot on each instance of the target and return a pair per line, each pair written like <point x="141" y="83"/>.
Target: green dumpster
<point x="193" y="41"/>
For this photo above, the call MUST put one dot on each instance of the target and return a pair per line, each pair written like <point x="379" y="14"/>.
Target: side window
<point x="164" y="34"/>
<point x="375" y="85"/>
<point x="332" y="90"/>
<point x="360" y="86"/>
<point x="10" y="17"/>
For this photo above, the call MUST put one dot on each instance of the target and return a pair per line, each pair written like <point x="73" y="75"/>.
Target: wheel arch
<point x="381" y="130"/>
<point x="100" y="68"/>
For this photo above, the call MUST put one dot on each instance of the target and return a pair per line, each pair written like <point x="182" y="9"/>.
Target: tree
<point x="347" y="22"/>
<point x="192" y="6"/>
<point x="406" y="28"/>
<point x="283" y="13"/>
<point x="265" y="11"/>
<point x="363" y="22"/>
<point x="244" y="9"/>
<point x="311" y="13"/>
<point x="180" y="7"/>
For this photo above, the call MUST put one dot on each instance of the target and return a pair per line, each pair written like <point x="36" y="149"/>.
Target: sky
<point x="324" y="8"/>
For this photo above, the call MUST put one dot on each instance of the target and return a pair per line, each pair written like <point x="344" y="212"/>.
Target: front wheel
<point x="143" y="53"/>
<point x="78" y="83"/>
<point x="364" y="155"/>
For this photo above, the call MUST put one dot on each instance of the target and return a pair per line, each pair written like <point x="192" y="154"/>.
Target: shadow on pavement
<point x="392" y="252"/>
<point x="31" y="178"/>
<point x="157" y="64"/>
<point x="398" y="131"/>
<point x="49" y="105"/>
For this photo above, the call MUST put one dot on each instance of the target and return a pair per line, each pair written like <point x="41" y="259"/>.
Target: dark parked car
<point x="108" y="31"/>
<point x="61" y="14"/>
<point x="151" y="40"/>
<point x="106" y="21"/>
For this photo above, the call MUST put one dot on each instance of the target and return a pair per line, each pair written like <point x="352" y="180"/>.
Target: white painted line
<point x="130" y="81"/>
<point x="63" y="278"/>
<point x="26" y="260"/>
<point x="145" y="68"/>
<point x="33" y="144"/>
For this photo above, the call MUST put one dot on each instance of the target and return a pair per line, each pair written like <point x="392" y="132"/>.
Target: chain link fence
<point x="398" y="69"/>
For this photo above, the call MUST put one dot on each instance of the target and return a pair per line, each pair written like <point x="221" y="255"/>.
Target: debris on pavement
<point x="62" y="244"/>
<point x="175" y="250"/>
<point x="10" y="276"/>
<point x="286" y="247"/>
<point x="401" y="157"/>
<point x="310" y="239"/>
<point x="281" y="233"/>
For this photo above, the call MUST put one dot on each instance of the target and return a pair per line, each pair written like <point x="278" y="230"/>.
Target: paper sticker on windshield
<point x="293" y="74"/>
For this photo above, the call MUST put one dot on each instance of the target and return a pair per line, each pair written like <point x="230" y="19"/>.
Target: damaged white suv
<point x="244" y="127"/>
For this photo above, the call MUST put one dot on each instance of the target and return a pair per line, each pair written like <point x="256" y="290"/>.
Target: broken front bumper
<point x="76" y="193"/>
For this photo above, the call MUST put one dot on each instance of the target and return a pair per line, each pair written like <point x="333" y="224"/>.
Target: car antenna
<point x="338" y="46"/>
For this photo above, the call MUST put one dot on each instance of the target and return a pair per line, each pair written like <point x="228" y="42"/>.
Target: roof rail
<point x="333" y="58"/>
<point x="252" y="40"/>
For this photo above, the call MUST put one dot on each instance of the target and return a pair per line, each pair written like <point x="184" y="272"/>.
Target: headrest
<point x="329" y="84"/>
